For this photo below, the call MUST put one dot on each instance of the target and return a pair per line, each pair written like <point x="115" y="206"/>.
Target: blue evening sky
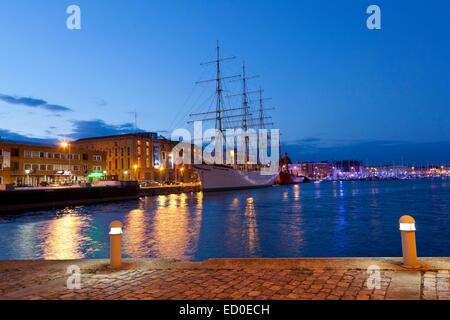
<point x="340" y="90"/>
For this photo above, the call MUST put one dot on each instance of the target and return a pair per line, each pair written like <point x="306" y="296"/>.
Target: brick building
<point x="138" y="156"/>
<point x="31" y="164"/>
<point x="315" y="170"/>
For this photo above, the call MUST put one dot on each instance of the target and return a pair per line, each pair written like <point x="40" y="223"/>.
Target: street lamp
<point x="27" y="172"/>
<point x="161" y="169"/>
<point x="66" y="145"/>
<point x="125" y="173"/>
<point x="135" y="167"/>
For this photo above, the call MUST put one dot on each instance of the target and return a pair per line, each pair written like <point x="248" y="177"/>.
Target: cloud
<point x="17" y="137"/>
<point x="97" y="128"/>
<point x="33" y="103"/>
<point x="372" y="151"/>
<point x="55" y="107"/>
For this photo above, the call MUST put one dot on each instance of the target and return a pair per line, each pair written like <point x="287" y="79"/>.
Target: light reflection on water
<point x="326" y="219"/>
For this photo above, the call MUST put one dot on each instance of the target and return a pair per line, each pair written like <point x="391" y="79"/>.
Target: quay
<point x="26" y="199"/>
<point x="229" y="279"/>
<point x="170" y="189"/>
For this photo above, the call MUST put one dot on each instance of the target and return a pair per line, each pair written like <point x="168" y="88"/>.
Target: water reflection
<point x="64" y="238"/>
<point x="175" y="232"/>
<point x="137" y="243"/>
<point x="296" y="193"/>
<point x="251" y="226"/>
<point x="283" y="221"/>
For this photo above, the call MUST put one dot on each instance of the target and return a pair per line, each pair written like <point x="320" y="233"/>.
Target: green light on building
<point x="96" y="175"/>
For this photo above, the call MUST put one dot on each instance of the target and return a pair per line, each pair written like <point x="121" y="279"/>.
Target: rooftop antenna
<point x="134" y="113"/>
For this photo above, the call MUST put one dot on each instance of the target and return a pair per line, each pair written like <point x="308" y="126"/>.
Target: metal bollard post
<point x="115" y="241"/>
<point x="408" y="232"/>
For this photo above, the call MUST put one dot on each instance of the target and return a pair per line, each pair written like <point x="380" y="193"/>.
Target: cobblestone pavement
<point x="260" y="279"/>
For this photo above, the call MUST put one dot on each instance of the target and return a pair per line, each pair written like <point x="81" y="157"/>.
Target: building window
<point x="57" y="156"/>
<point x="76" y="168"/>
<point x="97" y="168"/>
<point x="35" y="167"/>
<point x="27" y="154"/>
<point x="49" y="167"/>
<point x="35" y="154"/>
<point x="85" y="167"/>
<point x="14" y="152"/>
<point x="97" y="157"/>
<point x="27" y="166"/>
<point x="42" y="167"/>
<point x="41" y="154"/>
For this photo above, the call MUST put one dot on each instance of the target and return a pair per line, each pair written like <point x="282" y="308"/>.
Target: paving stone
<point x="186" y="282"/>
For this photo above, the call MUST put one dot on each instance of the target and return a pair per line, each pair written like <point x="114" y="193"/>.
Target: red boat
<point x="286" y="176"/>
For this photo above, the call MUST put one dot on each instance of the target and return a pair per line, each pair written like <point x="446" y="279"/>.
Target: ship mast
<point x="237" y="117"/>
<point x="244" y="98"/>
<point x="262" y="118"/>
<point x="219" y="90"/>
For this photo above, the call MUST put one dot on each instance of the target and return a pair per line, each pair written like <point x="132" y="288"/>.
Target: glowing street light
<point x="27" y="172"/>
<point x="66" y="145"/>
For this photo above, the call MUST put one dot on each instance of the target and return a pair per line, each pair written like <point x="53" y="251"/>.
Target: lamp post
<point x="135" y="167"/>
<point x="181" y="174"/>
<point x="27" y="172"/>
<point x="66" y="145"/>
<point x="161" y="170"/>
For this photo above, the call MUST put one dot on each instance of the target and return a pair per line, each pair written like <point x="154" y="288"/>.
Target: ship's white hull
<point x="219" y="178"/>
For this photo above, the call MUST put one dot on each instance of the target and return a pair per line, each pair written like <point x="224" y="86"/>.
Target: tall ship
<point x="250" y="114"/>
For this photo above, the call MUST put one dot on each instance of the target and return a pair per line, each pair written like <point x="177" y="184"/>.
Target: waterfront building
<point x="313" y="170"/>
<point x="138" y="156"/>
<point x="36" y="164"/>
<point x="349" y="166"/>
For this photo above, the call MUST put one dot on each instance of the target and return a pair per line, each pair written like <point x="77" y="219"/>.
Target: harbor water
<point x="328" y="219"/>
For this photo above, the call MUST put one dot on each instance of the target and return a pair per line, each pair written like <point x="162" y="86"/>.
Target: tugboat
<point x="285" y="176"/>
